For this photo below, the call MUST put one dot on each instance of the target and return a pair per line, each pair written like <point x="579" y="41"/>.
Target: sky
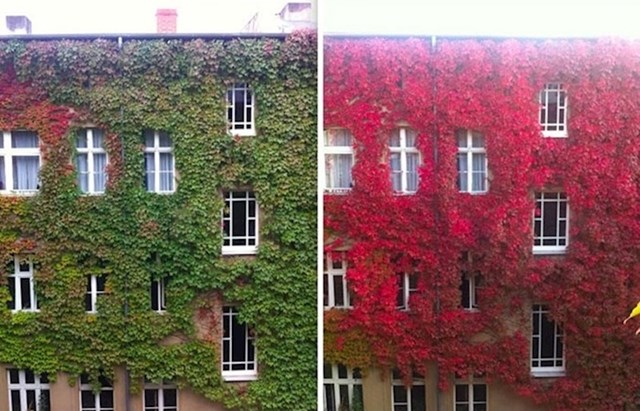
<point x="136" y="16"/>
<point x="522" y="18"/>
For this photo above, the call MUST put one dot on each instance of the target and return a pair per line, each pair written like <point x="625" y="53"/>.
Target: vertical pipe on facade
<point x="127" y="384"/>
<point x="434" y="106"/>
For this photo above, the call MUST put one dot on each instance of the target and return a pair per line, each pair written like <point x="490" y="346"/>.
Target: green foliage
<point x="131" y="236"/>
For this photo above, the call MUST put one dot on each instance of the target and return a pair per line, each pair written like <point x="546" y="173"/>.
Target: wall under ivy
<point x="490" y="86"/>
<point x="56" y="86"/>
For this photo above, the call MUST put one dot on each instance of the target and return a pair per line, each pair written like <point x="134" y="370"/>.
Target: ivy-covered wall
<point x="178" y="85"/>
<point x="490" y="86"/>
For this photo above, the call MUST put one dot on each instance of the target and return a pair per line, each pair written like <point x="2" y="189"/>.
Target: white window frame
<point x="161" y="387"/>
<point x="161" y="285"/>
<point x="404" y="151"/>
<point x="157" y="150"/>
<point x="330" y="276"/>
<point x="231" y="249"/>
<point x="468" y="152"/>
<point x="554" y="199"/>
<point x="330" y="151"/>
<point x="86" y="387"/>
<point x="335" y="381"/>
<point x="94" y="292"/>
<point x="471" y="280"/>
<point x="250" y="365"/>
<point x="18" y="275"/>
<point x="558" y="367"/>
<point x="472" y="403"/>
<point x="396" y="382"/>
<point x="22" y="386"/>
<point x="248" y="125"/>
<point x="561" y="129"/>
<point x="8" y="153"/>
<point x="90" y="151"/>
<point x="405" y="290"/>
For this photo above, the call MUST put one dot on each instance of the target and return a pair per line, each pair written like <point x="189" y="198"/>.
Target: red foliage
<point x="492" y="86"/>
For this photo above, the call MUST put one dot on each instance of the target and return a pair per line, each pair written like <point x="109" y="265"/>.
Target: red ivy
<point x="491" y="86"/>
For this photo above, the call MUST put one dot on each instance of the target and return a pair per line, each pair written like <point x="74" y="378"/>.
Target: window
<point x="241" y="110"/>
<point x="547" y="348"/>
<point x="470" y="396"/>
<point x="240" y="223"/>
<point x="408" y="398"/>
<point x="96" y="401"/>
<point x="28" y="391"/>
<point x="468" y="290"/>
<point x="553" y="110"/>
<point x="404" y="160"/>
<point x="95" y="288"/>
<point x="160" y="397"/>
<point x="22" y="285"/>
<point x="407" y="286"/>
<point x="342" y="388"/>
<point x="91" y="161"/>
<point x="159" y="164"/>
<point x="338" y="160"/>
<point x="336" y="291"/>
<point x="19" y="162"/>
<point x="238" y="351"/>
<point x="472" y="162"/>
<point x="158" y="294"/>
<point x="551" y="223"/>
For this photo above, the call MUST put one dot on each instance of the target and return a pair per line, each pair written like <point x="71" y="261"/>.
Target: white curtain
<point x="396" y="171"/>
<point x="99" y="172"/>
<point x="479" y="172"/>
<point x="83" y="172"/>
<point x="3" y="178"/>
<point x="339" y="170"/>
<point x="166" y="172"/>
<point x="25" y="172"/>
<point x="24" y="139"/>
<point x="462" y="172"/>
<point x="149" y="164"/>
<point x="412" y="171"/>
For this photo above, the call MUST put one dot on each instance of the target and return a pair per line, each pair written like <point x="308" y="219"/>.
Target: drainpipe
<point x="436" y="210"/>
<point x="127" y="382"/>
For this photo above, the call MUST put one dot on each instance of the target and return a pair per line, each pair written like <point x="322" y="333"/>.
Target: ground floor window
<point x="160" y="397"/>
<point x="405" y="398"/>
<point x="342" y="388"/>
<point x="95" y="401"/>
<point x="28" y="391"/>
<point x="470" y="396"/>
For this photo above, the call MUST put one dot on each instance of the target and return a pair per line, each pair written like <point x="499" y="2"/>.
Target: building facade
<point x="481" y="239"/>
<point x="157" y="214"/>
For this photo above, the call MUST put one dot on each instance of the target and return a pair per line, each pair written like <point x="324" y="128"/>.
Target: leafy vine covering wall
<point x="54" y="87"/>
<point x="490" y="86"/>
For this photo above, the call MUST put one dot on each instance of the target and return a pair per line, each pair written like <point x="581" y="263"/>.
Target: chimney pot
<point x="166" y="20"/>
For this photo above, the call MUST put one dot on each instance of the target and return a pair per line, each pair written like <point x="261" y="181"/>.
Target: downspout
<point x="127" y="382"/>
<point x="434" y="106"/>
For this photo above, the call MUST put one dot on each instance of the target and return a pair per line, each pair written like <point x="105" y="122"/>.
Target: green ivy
<point x="130" y="235"/>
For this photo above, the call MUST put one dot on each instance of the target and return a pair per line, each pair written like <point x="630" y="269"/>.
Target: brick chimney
<point x="166" y="20"/>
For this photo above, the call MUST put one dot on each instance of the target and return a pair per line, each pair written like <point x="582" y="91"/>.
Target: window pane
<point x="3" y="178"/>
<point x="81" y="139"/>
<point x="238" y="349"/>
<point x="87" y="400"/>
<point x="479" y="393"/>
<point x="25" y="172"/>
<point x="25" y="293"/>
<point x="164" y="139"/>
<point x="98" y="138"/>
<point x="239" y="214"/>
<point x="329" y="397"/>
<point x="418" y="398"/>
<point x="338" y="294"/>
<point x="150" y="398"/>
<point x="170" y="397"/>
<point x="15" y="400"/>
<point x="24" y="139"/>
<point x="399" y="394"/>
<point x="462" y="393"/>
<point x="106" y="399"/>
<point x="11" y="304"/>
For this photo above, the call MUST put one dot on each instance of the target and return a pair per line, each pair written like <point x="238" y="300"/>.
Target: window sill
<point x="474" y="193"/>
<point x="239" y="376"/>
<point x="471" y="310"/>
<point x="242" y="133"/>
<point x="549" y="250"/>
<point x="19" y="193"/>
<point x="242" y="250"/>
<point x="404" y="193"/>
<point x="338" y="307"/>
<point x="162" y="193"/>
<point x="337" y="191"/>
<point x="550" y="373"/>
<point x="555" y="134"/>
<point x="25" y="311"/>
